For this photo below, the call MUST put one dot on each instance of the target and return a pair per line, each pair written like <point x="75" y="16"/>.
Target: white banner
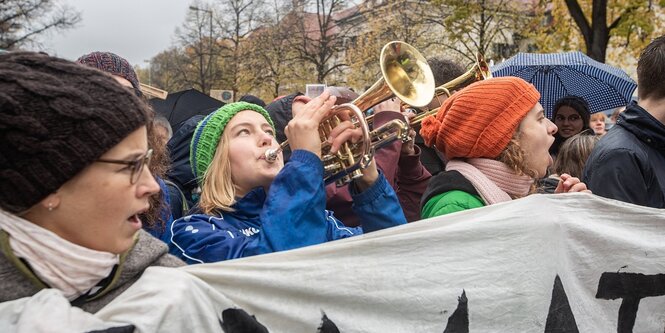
<point x="545" y="263"/>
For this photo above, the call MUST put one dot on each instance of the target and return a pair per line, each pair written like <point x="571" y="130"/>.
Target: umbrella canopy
<point x="180" y="106"/>
<point x="557" y="75"/>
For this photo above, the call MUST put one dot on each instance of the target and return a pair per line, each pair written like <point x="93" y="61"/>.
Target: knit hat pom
<point x="480" y="120"/>
<point x="209" y="131"/>
<point x="430" y="126"/>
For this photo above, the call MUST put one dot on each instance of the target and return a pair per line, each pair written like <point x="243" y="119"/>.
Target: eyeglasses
<point x="135" y="166"/>
<point x="571" y="118"/>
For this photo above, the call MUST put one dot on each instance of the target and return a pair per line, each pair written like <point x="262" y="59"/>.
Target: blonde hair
<point x="574" y="153"/>
<point x="598" y="116"/>
<point x="218" y="191"/>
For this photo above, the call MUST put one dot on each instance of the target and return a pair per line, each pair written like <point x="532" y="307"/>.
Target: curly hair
<point x="515" y="158"/>
<point x="156" y="215"/>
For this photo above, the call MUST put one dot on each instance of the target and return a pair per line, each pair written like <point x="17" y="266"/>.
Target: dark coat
<point x="628" y="163"/>
<point x="180" y="172"/>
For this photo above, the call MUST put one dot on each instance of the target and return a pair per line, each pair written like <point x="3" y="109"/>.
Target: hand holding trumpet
<point x="303" y="130"/>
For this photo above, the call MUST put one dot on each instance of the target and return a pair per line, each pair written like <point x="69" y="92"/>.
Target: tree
<point x="237" y="19"/>
<point x="200" y="49"/>
<point x="270" y="62"/>
<point x="596" y="25"/>
<point x="166" y="70"/>
<point x="395" y="20"/>
<point x="320" y="36"/>
<point x="22" y="21"/>
<point x="491" y="27"/>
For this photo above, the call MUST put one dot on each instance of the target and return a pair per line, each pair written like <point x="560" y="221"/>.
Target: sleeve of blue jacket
<point x="378" y="206"/>
<point x="294" y="213"/>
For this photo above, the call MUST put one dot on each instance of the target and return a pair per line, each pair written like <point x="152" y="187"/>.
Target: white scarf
<point x="60" y="264"/>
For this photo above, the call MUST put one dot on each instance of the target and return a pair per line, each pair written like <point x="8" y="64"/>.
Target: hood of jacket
<point x="644" y="126"/>
<point x="444" y="182"/>
<point x="178" y="146"/>
<point x="280" y="113"/>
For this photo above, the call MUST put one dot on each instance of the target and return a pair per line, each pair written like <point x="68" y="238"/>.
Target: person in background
<point x="73" y="182"/>
<point x="571" y="159"/>
<point x="162" y="129"/>
<point x="444" y="70"/>
<point x="615" y="115"/>
<point x="571" y="116"/>
<point x="251" y="206"/>
<point x="497" y="137"/>
<point x="628" y="163"/>
<point x="253" y="99"/>
<point x="597" y="123"/>
<point x="158" y="217"/>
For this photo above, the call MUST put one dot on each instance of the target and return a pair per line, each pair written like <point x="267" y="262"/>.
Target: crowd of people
<point x="95" y="187"/>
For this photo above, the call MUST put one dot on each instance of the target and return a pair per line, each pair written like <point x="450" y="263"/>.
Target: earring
<point x="50" y="206"/>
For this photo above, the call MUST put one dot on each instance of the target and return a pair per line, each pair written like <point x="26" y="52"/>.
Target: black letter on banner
<point x="327" y="325"/>
<point x="458" y="322"/>
<point x="560" y="318"/>
<point x="632" y="287"/>
<point x="239" y="321"/>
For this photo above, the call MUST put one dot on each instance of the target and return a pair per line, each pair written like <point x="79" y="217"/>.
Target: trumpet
<point x="479" y="71"/>
<point x="406" y="75"/>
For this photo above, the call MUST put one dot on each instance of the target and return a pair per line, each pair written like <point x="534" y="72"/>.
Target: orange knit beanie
<point x="480" y="120"/>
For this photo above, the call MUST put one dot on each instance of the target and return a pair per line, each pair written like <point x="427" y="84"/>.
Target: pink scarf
<point x="494" y="181"/>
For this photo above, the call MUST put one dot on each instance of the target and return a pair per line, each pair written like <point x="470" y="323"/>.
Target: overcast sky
<point x="134" y="29"/>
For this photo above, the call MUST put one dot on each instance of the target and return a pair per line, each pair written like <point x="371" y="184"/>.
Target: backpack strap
<point x="185" y="205"/>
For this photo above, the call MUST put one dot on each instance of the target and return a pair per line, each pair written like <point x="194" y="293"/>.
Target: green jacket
<point x="450" y="202"/>
<point x="449" y="192"/>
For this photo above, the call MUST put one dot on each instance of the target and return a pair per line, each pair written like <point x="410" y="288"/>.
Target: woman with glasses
<point x="73" y="182"/>
<point x="571" y="116"/>
<point x="157" y="220"/>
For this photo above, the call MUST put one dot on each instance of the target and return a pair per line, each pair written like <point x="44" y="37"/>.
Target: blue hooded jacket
<point x="291" y="215"/>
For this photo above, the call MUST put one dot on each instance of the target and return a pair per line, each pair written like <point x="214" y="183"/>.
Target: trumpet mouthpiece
<point x="271" y="155"/>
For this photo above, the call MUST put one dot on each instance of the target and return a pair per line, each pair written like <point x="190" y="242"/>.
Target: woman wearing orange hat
<point x="496" y="137"/>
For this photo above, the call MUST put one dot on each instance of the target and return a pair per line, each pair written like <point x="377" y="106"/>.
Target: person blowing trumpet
<point x="251" y="206"/>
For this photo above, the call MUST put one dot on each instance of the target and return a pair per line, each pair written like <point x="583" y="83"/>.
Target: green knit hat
<point x="209" y="131"/>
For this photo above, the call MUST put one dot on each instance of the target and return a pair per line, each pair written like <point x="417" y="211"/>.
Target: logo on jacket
<point x="250" y="231"/>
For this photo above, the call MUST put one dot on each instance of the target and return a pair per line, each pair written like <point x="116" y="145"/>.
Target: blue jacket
<point x="628" y="163"/>
<point x="291" y="215"/>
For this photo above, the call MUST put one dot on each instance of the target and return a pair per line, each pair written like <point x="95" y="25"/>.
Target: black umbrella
<point x="180" y="106"/>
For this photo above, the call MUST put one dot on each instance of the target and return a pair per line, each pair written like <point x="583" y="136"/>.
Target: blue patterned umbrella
<point x="557" y="75"/>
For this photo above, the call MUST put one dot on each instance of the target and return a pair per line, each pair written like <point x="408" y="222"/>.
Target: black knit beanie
<point x="56" y="118"/>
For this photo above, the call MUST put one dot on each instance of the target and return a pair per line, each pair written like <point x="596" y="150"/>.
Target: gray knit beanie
<point x="56" y="118"/>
